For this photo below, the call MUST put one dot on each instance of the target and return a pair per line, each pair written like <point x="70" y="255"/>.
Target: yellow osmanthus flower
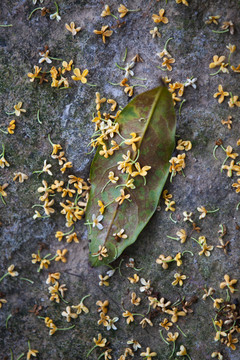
<point x="20" y="176"/>
<point x="31" y="352"/>
<point x="221" y="93"/>
<point x="106" y="11"/>
<point x="179" y="279"/>
<point x="227" y="122"/>
<point x="122" y="10"/>
<point x="237" y="186"/>
<point x="120" y="234"/>
<point x="103" y="319"/>
<point x="229" y="283"/>
<point x="18" y="109"/>
<point x="2" y="188"/>
<point x="145" y="321"/>
<point x="182" y="235"/>
<point x="34" y="75"/>
<point x="11" y="271"/>
<point x="104" y="32"/>
<point x="100" y="341"/>
<point x="217" y="354"/>
<point x="68" y="314"/>
<point x="182" y="352"/>
<point x="61" y="254"/>
<point x="2" y="301"/>
<point x="162" y="260"/>
<point x="172" y="337"/>
<point x="132" y="141"/>
<point x="135" y="300"/>
<point x="67" y="66"/>
<point x="213" y="19"/>
<point x="72" y="237"/>
<point x="134" y="279"/>
<point x="113" y="178"/>
<point x="184" y="145"/>
<point x="169" y="205"/>
<point x="229" y="152"/>
<point x="165" y="195"/>
<point x="103" y="280"/>
<point x="99" y="101"/>
<point x="234" y="101"/>
<point x="236" y="69"/>
<point x="160" y="18"/>
<point x="36" y="258"/>
<point x="72" y="28"/>
<point x="155" y="32"/>
<point x="148" y="354"/>
<point x="217" y="302"/>
<point x="56" y="290"/>
<point x="81" y="307"/>
<point x="231" y="48"/>
<point x="66" y="166"/>
<point x="120" y="199"/>
<point x="217" y="61"/>
<point x="166" y="324"/>
<point x="230" y="168"/>
<point x="114" y="104"/>
<point x="184" y="2"/>
<point x="130" y="317"/>
<point x="80" y="77"/>
<point x="175" y="314"/>
<point x="140" y="171"/>
<point x="167" y="62"/>
<point x="52" y="277"/>
<point x="130" y="184"/>
<point x="103" y="306"/>
<point x="101" y="253"/>
<point x="203" y="212"/>
<point x="230" y="342"/>
<point x="47" y="207"/>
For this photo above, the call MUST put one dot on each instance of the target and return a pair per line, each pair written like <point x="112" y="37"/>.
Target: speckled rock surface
<point x="66" y="115"/>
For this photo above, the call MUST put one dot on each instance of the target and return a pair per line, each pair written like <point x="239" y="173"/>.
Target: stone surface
<point x="66" y="115"/>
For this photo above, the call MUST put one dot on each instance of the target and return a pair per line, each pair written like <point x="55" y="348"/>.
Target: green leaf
<point x="150" y="115"/>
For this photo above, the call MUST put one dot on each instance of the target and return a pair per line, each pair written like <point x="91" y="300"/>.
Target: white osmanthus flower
<point x="128" y="70"/>
<point x="46" y="168"/>
<point x="191" y="82"/>
<point x="96" y="221"/>
<point x="44" y="57"/>
<point x="55" y="16"/>
<point x="146" y="285"/>
<point x="135" y="344"/>
<point x="35" y="1"/>
<point x="111" y="323"/>
<point x="110" y="272"/>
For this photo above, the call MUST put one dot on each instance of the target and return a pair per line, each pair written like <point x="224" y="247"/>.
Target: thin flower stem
<point x="187" y="251"/>
<point x="4" y="276"/>
<point x="180" y="107"/>
<point x="20" y="356"/>
<point x="105" y="186"/>
<point x="125" y="55"/>
<point x="181" y="331"/>
<point x="166" y="342"/>
<point x="173" y="350"/>
<point x="39" y="8"/>
<point x="115" y="17"/>
<point x="220" y="31"/>
<point x="119" y="267"/>
<point x="11" y="113"/>
<point x="113" y="83"/>
<point x="229" y="56"/>
<point x="139" y="85"/>
<point x="214" y="151"/>
<point x="91" y="350"/>
<point x="166" y="43"/>
<point x="8" y="25"/>
<point x="216" y="72"/>
<point x="237" y="206"/>
<point x="29" y="346"/>
<point x="159" y="67"/>
<point x="55" y="58"/>
<point x="212" y="211"/>
<point x="11" y="354"/>
<point x="174" y="221"/>
<point x="65" y="87"/>
<point x="224" y="163"/>
<point x="86" y="296"/>
<point x="196" y="241"/>
<point x="122" y="68"/>
<point x="9" y="317"/>
<point x="188" y="357"/>
<point x="135" y="77"/>
<point x="52" y="257"/>
<point x="25" y="279"/>
<point x="214" y="325"/>
<point x="101" y="355"/>
<point x="89" y="84"/>
<point x="223" y="148"/>
<point x="138" y="269"/>
<point x="134" y="10"/>
<point x="3" y="202"/>
<point x="38" y="119"/>
<point x="69" y="328"/>
<point x="66" y="302"/>
<point x="3" y="131"/>
<point x="170" y="237"/>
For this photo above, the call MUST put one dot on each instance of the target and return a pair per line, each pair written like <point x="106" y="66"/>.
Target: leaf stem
<point x="31" y="282"/>
<point x="125" y="55"/>
<point x="214" y="152"/>
<point x="38" y="119"/>
<point x="220" y="31"/>
<point x="181" y="331"/>
<point x="174" y="221"/>
<point x="4" y="276"/>
<point x="9" y="317"/>
<point x="180" y="107"/>
<point x="166" y="43"/>
<point x="91" y="350"/>
<point x="166" y="342"/>
<point x="170" y="237"/>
